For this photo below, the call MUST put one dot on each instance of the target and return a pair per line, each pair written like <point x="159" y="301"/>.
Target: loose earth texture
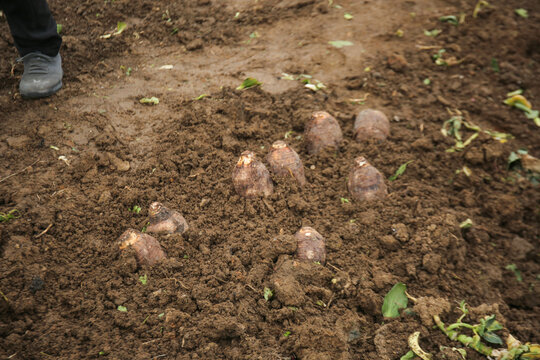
<point x="83" y="166"/>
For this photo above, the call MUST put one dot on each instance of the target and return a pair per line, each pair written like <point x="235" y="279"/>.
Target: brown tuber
<point x="371" y="124"/>
<point x="311" y="245"/>
<point x="165" y="220"/>
<point x="147" y="249"/>
<point x="284" y="161"/>
<point x="365" y="182"/>
<point x="251" y="178"/>
<point x="322" y="131"/>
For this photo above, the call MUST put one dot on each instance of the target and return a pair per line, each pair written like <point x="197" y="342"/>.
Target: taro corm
<point x="371" y="124"/>
<point x="322" y="131"/>
<point x="311" y="245"/>
<point x="366" y="182"/>
<point x="165" y="220"/>
<point x="147" y="249"/>
<point x="284" y="162"/>
<point x="251" y="178"/>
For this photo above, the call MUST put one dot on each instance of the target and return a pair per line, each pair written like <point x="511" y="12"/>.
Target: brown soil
<point x="63" y="277"/>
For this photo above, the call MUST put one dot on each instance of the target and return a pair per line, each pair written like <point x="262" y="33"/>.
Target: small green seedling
<point x="452" y="19"/>
<point x="408" y="356"/>
<point x="202" y="96"/>
<point x="522" y="12"/>
<point x="348" y="16"/>
<point x="101" y="353"/>
<point x="10" y="215"/>
<point x="143" y="230"/>
<point x="126" y="69"/>
<point x="59" y="28"/>
<point x="143" y="279"/>
<point x="480" y="5"/>
<point x="121" y="308"/>
<point x="514" y="269"/>
<point x="268" y="294"/>
<point x="248" y="83"/>
<point x="149" y="101"/>
<point x="395" y="300"/>
<point x="286" y="333"/>
<point x="467" y="224"/>
<point x="344" y="200"/>
<point x="427" y="81"/>
<point x="438" y="57"/>
<point x="399" y="33"/>
<point x="495" y="65"/>
<point x="161" y="315"/>
<point x="432" y="33"/>
<point x="136" y="209"/>
<point x="340" y="43"/>
<point x="400" y="170"/>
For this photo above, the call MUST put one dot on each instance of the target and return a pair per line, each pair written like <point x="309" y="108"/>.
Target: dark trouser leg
<point x="32" y="26"/>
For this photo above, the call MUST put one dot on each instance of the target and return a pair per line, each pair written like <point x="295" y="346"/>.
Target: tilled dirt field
<point x="75" y="165"/>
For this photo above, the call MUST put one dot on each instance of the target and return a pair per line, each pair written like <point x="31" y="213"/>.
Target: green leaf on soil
<point x="492" y="338"/>
<point x="120" y="27"/>
<point x="400" y="170"/>
<point x="432" y="33"/>
<point x="408" y="356"/>
<point x="513" y="93"/>
<point x="143" y="230"/>
<point x="247" y="83"/>
<point x="136" y="209"/>
<point x="427" y="81"/>
<point x="143" y="279"/>
<point x="479" y="6"/>
<point x="340" y="43"/>
<point x="452" y="19"/>
<point x="149" y="101"/>
<point x="286" y="333"/>
<point x="344" y="200"/>
<point x="514" y="269"/>
<point x="268" y="294"/>
<point x="495" y="65"/>
<point x="348" y="16"/>
<point x="395" y="300"/>
<point x="121" y="308"/>
<point x="467" y="224"/>
<point x="161" y="315"/>
<point x="522" y="12"/>
<point x="202" y="96"/>
<point x="58" y="28"/>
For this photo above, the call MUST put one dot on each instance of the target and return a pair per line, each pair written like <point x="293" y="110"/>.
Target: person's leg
<point x="32" y="26"/>
<point x="34" y="32"/>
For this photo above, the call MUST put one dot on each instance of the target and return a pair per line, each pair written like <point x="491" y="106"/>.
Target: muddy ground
<point x="75" y="165"/>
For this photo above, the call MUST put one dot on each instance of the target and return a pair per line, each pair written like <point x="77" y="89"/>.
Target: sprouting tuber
<point x="311" y="245"/>
<point x="251" y="178"/>
<point x="365" y="181"/>
<point x="371" y="124"/>
<point x="284" y="161"/>
<point x="147" y="249"/>
<point x="165" y="220"/>
<point x="322" y="131"/>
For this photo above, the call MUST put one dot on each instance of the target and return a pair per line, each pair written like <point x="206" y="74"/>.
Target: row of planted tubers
<point x="162" y="220"/>
<point x="251" y="179"/>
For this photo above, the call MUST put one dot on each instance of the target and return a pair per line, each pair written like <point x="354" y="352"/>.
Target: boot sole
<point x="37" y="95"/>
